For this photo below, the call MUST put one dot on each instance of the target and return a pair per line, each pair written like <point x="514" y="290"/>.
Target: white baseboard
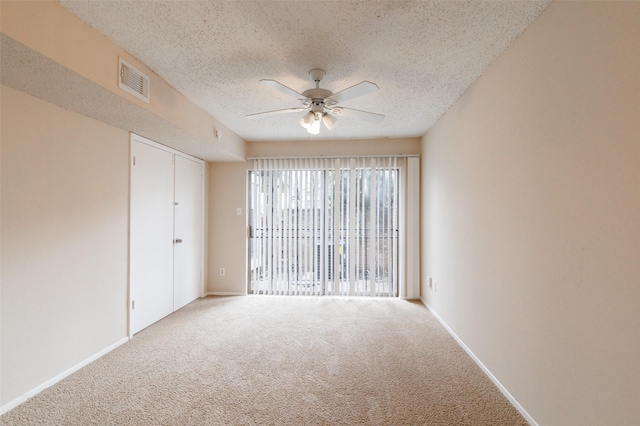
<point x="224" y="293"/>
<point x="493" y="378"/>
<point x="60" y="376"/>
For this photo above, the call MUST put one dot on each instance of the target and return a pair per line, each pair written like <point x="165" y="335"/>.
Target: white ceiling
<point x="422" y="54"/>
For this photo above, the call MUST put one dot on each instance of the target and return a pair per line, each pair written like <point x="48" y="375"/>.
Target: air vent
<point x="133" y="81"/>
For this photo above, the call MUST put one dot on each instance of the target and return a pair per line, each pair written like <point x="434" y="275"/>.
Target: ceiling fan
<point x="321" y="104"/>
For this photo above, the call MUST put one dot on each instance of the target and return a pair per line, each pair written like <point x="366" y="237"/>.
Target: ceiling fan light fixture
<point x="329" y="121"/>
<point x="314" y="129"/>
<point x="307" y="120"/>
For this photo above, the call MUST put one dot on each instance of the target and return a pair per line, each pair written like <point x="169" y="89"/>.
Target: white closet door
<point x="151" y="235"/>
<point x="188" y="232"/>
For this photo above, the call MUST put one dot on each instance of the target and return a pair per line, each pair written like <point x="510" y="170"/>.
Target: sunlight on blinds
<point x="324" y="226"/>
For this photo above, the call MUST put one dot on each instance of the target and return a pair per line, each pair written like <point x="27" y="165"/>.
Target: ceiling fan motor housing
<point x="317" y="94"/>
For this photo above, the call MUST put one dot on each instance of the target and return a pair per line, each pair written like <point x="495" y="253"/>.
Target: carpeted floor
<point x="268" y="360"/>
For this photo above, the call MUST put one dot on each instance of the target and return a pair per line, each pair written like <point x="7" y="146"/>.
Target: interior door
<point x="188" y="234"/>
<point x="151" y="235"/>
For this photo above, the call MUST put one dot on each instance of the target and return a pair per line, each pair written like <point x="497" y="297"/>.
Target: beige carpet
<point x="267" y="360"/>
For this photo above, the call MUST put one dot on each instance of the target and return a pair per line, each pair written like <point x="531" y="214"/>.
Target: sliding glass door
<point x="324" y="226"/>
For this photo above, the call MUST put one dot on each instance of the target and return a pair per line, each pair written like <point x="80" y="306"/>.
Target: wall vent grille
<point x="133" y="81"/>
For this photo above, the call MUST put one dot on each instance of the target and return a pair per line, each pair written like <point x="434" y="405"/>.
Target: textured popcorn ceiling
<point x="422" y="54"/>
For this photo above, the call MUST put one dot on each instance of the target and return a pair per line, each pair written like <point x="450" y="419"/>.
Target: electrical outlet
<point x="239" y="211"/>
<point x="222" y="272"/>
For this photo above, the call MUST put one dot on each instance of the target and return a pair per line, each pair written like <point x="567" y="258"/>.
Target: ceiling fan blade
<point x="356" y="113"/>
<point x="360" y="89"/>
<point x="282" y="88"/>
<point x="276" y="112"/>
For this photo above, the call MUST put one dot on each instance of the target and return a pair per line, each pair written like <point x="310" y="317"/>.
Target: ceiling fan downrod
<point x="317" y="75"/>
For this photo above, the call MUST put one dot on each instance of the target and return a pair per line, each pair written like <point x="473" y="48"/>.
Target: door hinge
<point x="134" y="160"/>
<point x="133" y="304"/>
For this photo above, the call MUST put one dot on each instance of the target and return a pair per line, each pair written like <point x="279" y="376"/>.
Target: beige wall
<point x="64" y="224"/>
<point x="227" y="230"/>
<point x="227" y="191"/>
<point x="318" y="148"/>
<point x="531" y="216"/>
<point x="48" y="29"/>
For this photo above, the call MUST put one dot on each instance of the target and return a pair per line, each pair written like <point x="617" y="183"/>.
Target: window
<point x="324" y="226"/>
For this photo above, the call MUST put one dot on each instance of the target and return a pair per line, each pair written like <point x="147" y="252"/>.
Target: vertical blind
<point x="324" y="226"/>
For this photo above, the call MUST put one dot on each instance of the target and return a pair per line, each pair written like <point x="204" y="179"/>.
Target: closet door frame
<point x="141" y="139"/>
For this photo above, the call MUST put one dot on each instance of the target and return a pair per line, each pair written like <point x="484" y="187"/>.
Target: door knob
<point x="177" y="241"/>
